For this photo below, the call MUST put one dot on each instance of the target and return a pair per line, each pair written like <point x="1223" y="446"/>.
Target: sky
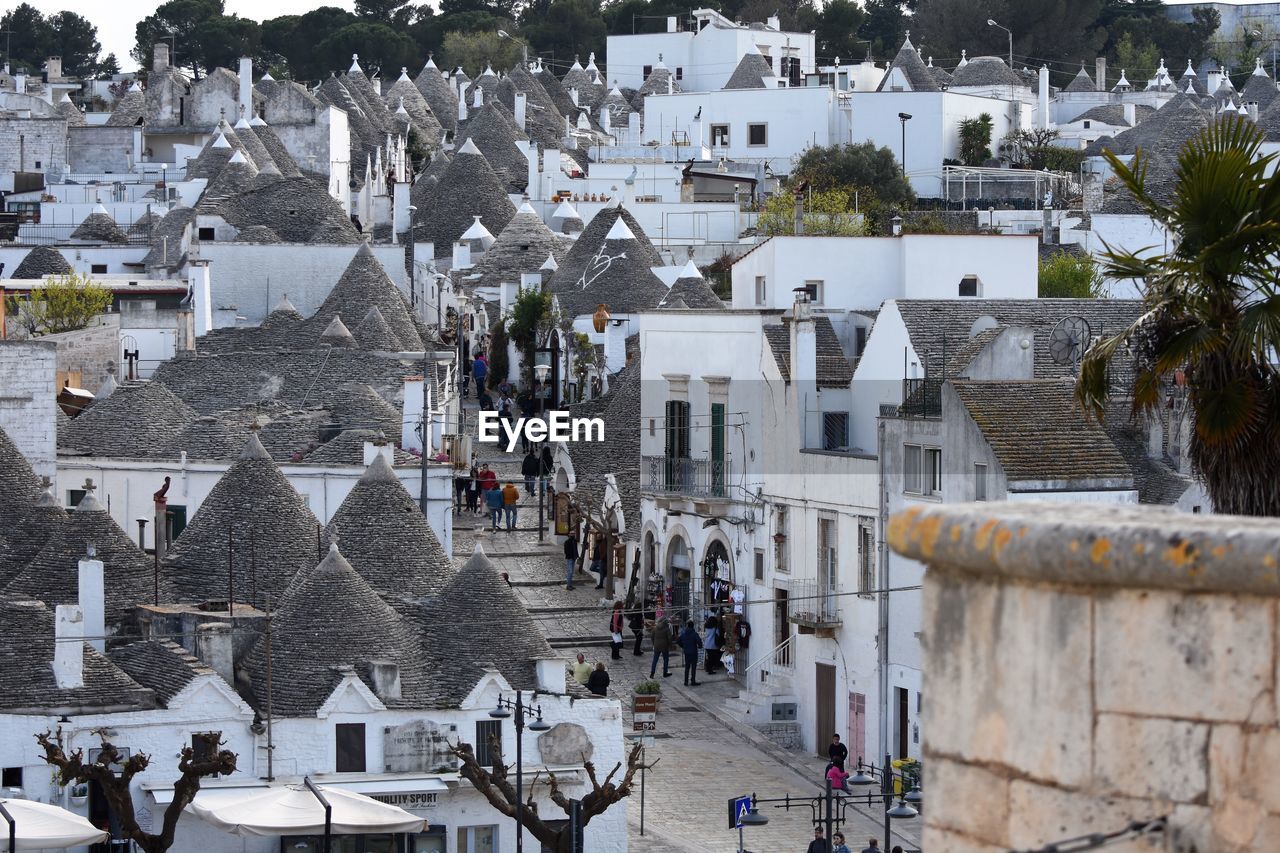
<point x="115" y="19"/>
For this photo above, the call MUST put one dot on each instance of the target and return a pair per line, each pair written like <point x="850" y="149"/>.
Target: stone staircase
<point x="755" y="708"/>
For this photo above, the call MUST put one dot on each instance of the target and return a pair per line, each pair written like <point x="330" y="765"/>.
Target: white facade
<point x="703" y="58"/>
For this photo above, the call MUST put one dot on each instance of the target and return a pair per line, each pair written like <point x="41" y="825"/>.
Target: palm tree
<point x="1212" y="318"/>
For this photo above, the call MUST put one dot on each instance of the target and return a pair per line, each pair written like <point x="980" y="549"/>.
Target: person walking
<point x="488" y="479"/>
<point x="545" y="466"/>
<point x="493" y="501"/>
<point x="473" y="489"/>
<point x="661" y="639"/>
<point x="570" y="559"/>
<point x="597" y="560"/>
<point x="819" y="844"/>
<point x="582" y="670"/>
<point x="839" y="846"/>
<point x="690" y="642"/>
<point x="530" y="468"/>
<point x="636" y="623"/>
<point x="510" y="499"/>
<point x="598" y="681"/>
<point x="479" y="370"/>
<point x="615" y="630"/>
<point x="873" y="846"/>
<point x="837" y="752"/>
<point x="711" y="644"/>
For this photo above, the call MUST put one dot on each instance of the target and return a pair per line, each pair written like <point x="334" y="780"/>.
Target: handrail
<point x="769" y="655"/>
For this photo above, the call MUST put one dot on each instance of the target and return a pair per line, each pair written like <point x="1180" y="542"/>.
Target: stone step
<point x="736" y="708"/>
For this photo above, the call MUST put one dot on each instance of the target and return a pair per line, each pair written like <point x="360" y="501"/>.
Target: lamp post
<point x="506" y="708"/>
<point x="413" y="272"/>
<point x="829" y="807"/>
<point x="542" y="370"/>
<point x="991" y="23"/>
<point x="904" y="118"/>
<point x="524" y="46"/>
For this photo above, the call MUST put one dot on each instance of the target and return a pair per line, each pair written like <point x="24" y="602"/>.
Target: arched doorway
<point x="679" y="574"/>
<point x="717" y="576"/>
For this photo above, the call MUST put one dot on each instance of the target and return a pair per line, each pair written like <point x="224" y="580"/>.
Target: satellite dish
<point x="1069" y="340"/>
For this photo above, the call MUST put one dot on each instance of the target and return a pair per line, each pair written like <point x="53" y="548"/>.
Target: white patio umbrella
<point x="306" y="809"/>
<point x="39" y="826"/>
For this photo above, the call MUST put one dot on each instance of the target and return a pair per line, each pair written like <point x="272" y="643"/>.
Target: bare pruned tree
<point x="113" y="772"/>
<point x="500" y="791"/>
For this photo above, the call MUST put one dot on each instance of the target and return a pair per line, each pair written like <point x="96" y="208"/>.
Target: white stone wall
<point x="28" y="395"/>
<point x="29" y="141"/>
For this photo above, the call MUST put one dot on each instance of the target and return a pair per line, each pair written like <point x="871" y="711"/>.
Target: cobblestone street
<point x="700" y="758"/>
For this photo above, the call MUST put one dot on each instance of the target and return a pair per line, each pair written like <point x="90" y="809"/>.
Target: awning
<point x="163" y="794"/>
<point x="295" y="810"/>
<point x="40" y="826"/>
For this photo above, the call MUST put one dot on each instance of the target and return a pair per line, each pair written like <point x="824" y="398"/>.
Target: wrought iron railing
<point x="814" y="604"/>
<point x="683" y="476"/>
<point x="921" y="398"/>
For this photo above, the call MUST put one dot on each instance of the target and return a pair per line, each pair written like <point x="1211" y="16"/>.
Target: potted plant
<point x="645" y="696"/>
<point x="79" y="794"/>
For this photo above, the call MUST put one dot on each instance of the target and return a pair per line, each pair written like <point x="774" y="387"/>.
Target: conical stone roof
<point x="279" y="153"/>
<point x="618" y="273"/>
<point x="1171" y="125"/>
<point x="100" y="228"/>
<point x="419" y="110"/>
<point x="544" y="123"/>
<point x="908" y="61"/>
<point x="23" y="539"/>
<point x="144" y="225"/>
<point x="211" y="159"/>
<point x="254" y="150"/>
<point x="478" y="622"/>
<point x="692" y="290"/>
<point x="298" y="209"/>
<point x="388" y="540"/>
<point x="363" y="285"/>
<point x="372" y="332"/>
<point x="487" y="81"/>
<point x="1259" y="89"/>
<point x="333" y="621"/>
<point x="336" y="334"/>
<point x="19" y="486"/>
<point x="495" y="135"/>
<point x="521" y="247"/>
<point x="440" y="94"/>
<point x="68" y="111"/>
<point x="567" y="280"/>
<point x="42" y="261"/>
<point x="659" y="82"/>
<point x="558" y="94"/>
<point x="53" y="575"/>
<point x="468" y="189"/>
<point x="359" y="86"/>
<point x="753" y="72"/>
<point x="129" y="110"/>
<point x="211" y="438"/>
<point x="1082" y="82"/>
<point x="254" y="521"/>
<point x="132" y="423"/>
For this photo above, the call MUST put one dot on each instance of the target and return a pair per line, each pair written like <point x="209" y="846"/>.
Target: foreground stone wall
<point x="1091" y="666"/>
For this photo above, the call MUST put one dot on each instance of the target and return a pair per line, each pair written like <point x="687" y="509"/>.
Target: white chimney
<point x="1100" y="74"/>
<point x="246" y="88"/>
<point x="633" y="126"/>
<point x="573" y="95"/>
<point x="531" y="281"/>
<point x="550" y="674"/>
<point x="477" y="97"/>
<point x="1043" y="102"/>
<point x="68" y="647"/>
<point x="507" y="291"/>
<point x="214" y="646"/>
<point x="411" y="417"/>
<point x="774" y="22"/>
<point x="199" y="281"/>
<point x="462" y="105"/>
<point x="1131" y="113"/>
<point x="804" y="367"/>
<point x="92" y="595"/>
<point x="615" y="346"/>
<point x="1214" y="81"/>
<point x="1252" y="107"/>
<point x="380" y="447"/>
<point x="521" y="99"/>
<point x="606" y="120"/>
<point x="530" y="151"/>
<point x="672" y="23"/>
<point x="462" y="255"/>
<point x="160" y="56"/>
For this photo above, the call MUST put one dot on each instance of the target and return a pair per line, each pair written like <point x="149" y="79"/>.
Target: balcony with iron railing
<point x="702" y="478"/>
<point x="921" y="398"/>
<point x="814" y="607"/>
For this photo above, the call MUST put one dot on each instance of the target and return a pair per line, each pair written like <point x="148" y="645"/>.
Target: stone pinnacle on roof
<point x="620" y="231"/>
<point x="337" y="334"/>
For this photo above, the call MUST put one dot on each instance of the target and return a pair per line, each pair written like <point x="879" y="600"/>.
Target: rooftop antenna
<point x="1069" y="340"/>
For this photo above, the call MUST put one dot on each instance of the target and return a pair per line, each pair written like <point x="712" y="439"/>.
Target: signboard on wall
<point x="562" y="514"/>
<point x="419" y="746"/>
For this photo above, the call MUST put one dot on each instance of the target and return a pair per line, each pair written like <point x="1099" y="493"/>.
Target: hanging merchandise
<point x="742" y="633"/>
<point x="737" y="596"/>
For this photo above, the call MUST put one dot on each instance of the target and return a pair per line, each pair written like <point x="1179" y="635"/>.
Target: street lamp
<point x="504" y="709"/>
<point x="751" y="817"/>
<point x="991" y="23"/>
<point x="524" y="46"/>
<point x="868" y="775"/>
<point x="904" y="118"/>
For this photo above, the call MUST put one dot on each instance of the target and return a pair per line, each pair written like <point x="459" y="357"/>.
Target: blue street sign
<point x="738" y="806"/>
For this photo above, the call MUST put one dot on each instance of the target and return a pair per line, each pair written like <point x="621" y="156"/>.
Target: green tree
<point x="1146" y="22"/>
<point x="64" y="304"/>
<point x="474" y="50"/>
<point x="377" y="44"/>
<point x="873" y="172"/>
<point x="108" y="67"/>
<point x="828" y="213"/>
<point x="293" y="38"/>
<point x="226" y="38"/>
<point x="1064" y="275"/>
<point x="530" y="325"/>
<point x="379" y="10"/>
<point x="175" y="22"/>
<point x="29" y="39"/>
<point x="837" y="30"/>
<point x="1139" y="59"/>
<point x="885" y="25"/>
<point x="75" y="39"/>
<point x="565" y="28"/>
<point x="1212" y="319"/>
<point x="975" y="140"/>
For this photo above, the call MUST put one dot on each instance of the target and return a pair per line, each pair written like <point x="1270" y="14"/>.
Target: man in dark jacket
<point x="661" y="638"/>
<point x="837" y="752"/>
<point x="635" y="621"/>
<point x="570" y="558"/>
<point x="819" y="844"/>
<point x="598" y="681"/>
<point x="690" y="642"/>
<point x="529" y="468"/>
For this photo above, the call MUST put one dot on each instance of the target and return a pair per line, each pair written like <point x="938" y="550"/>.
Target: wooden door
<point x="824" y="706"/>
<point x="857" y="727"/>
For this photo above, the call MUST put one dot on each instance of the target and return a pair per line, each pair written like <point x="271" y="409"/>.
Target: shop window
<point x="477" y="839"/>
<point x="350" y="747"/>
